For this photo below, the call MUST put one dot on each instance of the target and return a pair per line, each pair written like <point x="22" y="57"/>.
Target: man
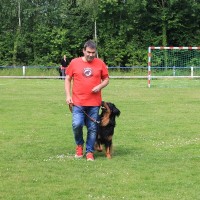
<point x="89" y="75"/>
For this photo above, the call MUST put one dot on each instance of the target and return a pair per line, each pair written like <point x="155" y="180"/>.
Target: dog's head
<point x="109" y="112"/>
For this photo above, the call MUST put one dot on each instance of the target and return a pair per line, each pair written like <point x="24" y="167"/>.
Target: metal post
<point x="174" y="71"/>
<point x="24" y="70"/>
<point x="192" y="71"/>
<point x="149" y="67"/>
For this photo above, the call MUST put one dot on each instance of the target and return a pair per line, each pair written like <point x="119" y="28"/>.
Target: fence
<point x="53" y="72"/>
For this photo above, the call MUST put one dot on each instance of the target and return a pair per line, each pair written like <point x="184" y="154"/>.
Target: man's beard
<point x="90" y="58"/>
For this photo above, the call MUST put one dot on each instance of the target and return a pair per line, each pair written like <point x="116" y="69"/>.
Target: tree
<point x="39" y="32"/>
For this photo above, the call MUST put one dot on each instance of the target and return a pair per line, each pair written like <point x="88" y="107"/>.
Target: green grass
<point x="44" y="71"/>
<point x="156" y="143"/>
<point x="31" y="71"/>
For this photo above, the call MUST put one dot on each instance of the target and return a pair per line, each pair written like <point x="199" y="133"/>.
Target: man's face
<point x="89" y="54"/>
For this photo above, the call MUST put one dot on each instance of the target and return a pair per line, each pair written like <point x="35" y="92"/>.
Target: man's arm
<point x="68" y="80"/>
<point x="103" y="84"/>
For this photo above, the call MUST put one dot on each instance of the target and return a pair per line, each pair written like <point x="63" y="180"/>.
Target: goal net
<point x="172" y="62"/>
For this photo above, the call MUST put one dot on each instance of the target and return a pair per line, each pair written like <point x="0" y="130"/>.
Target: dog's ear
<point x="116" y="111"/>
<point x="106" y="114"/>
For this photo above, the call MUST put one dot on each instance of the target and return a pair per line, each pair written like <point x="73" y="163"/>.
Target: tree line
<point x="40" y="32"/>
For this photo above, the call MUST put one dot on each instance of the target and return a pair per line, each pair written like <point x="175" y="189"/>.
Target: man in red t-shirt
<point x="85" y="76"/>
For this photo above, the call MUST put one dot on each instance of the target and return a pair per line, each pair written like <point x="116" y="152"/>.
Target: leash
<point x="92" y="119"/>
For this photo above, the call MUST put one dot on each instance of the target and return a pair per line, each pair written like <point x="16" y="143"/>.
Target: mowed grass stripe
<point x="156" y="143"/>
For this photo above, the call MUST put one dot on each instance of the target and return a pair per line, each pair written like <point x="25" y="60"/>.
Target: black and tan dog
<point x="106" y="127"/>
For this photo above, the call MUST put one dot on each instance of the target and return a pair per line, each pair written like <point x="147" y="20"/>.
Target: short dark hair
<point x="91" y="44"/>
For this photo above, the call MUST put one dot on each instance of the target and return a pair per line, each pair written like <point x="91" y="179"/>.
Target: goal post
<point x="164" y="58"/>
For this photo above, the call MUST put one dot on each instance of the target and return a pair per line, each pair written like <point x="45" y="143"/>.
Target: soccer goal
<point x="173" y="62"/>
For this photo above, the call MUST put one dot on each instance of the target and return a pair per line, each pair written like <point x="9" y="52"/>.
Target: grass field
<point x="156" y="143"/>
<point x="135" y="71"/>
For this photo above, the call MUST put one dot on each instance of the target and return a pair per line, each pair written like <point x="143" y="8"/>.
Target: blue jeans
<point x="80" y="119"/>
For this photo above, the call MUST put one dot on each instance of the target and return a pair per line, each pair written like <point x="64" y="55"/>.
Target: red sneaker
<point x="79" y="151"/>
<point x="90" y="156"/>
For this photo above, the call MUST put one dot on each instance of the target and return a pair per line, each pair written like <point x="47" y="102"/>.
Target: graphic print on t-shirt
<point x="87" y="72"/>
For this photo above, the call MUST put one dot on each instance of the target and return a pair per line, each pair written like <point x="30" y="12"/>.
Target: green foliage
<point x="124" y="29"/>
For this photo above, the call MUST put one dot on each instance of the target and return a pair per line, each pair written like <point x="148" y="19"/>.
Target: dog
<point x="106" y="127"/>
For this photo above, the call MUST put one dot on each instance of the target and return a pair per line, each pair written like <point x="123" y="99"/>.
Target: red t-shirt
<point x="86" y="75"/>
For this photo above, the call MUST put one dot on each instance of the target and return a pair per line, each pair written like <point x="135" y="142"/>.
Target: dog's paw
<point x="98" y="148"/>
<point x="108" y="156"/>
